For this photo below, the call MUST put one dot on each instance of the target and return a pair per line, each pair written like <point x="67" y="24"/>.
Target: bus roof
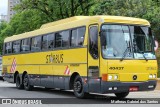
<point x="77" y="21"/>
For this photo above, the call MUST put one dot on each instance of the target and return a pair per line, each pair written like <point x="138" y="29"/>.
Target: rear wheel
<point x="78" y="88"/>
<point x="26" y="83"/>
<point x="18" y="82"/>
<point x="121" y="95"/>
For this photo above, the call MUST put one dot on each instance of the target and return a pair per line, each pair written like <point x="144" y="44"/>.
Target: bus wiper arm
<point x="138" y="50"/>
<point x="143" y="55"/>
<point x="124" y="54"/>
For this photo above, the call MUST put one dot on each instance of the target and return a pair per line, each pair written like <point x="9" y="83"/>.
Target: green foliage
<point x="57" y="9"/>
<point x="26" y="21"/>
<point x="146" y="9"/>
<point x="22" y="22"/>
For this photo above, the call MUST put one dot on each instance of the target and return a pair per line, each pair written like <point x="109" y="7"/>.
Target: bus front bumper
<point x="117" y="87"/>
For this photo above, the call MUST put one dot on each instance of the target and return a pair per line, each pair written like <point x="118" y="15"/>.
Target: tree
<point x="3" y="26"/>
<point x="24" y="21"/>
<point x="146" y="9"/>
<point x="57" y="9"/>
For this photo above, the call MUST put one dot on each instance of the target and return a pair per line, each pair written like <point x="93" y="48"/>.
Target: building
<point x="3" y="18"/>
<point x="11" y="4"/>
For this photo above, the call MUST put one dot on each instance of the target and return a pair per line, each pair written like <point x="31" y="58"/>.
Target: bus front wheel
<point x="121" y="95"/>
<point x="26" y="83"/>
<point x="78" y="87"/>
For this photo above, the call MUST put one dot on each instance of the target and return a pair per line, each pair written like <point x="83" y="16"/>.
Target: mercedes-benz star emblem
<point x="134" y="77"/>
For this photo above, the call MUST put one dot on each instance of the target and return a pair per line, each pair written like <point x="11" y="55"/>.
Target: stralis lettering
<point x="54" y="58"/>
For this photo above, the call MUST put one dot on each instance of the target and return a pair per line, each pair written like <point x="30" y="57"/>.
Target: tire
<point x="78" y="88"/>
<point x="121" y="95"/>
<point x="18" y="82"/>
<point x="26" y="83"/>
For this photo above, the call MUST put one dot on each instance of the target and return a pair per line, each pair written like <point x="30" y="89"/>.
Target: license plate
<point x="133" y="88"/>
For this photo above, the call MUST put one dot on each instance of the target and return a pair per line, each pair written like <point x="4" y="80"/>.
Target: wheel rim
<point x="78" y="86"/>
<point x="25" y="81"/>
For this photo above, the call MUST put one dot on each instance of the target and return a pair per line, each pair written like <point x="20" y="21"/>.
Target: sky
<point x="3" y="7"/>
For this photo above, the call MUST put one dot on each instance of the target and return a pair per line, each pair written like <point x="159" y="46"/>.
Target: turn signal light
<point x="104" y="77"/>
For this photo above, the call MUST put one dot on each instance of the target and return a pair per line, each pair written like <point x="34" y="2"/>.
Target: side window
<point x="8" y="48"/>
<point x="78" y="36"/>
<point x="74" y="37"/>
<point x="58" y="40"/>
<point x="50" y="41"/>
<point x="65" y="38"/>
<point x="36" y="43"/>
<point x="25" y="47"/>
<point x="62" y="39"/>
<point x="81" y="33"/>
<point x="16" y="46"/>
<point x="44" y="42"/>
<point x="93" y="41"/>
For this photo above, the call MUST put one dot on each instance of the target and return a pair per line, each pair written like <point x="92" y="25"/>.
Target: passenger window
<point x="74" y="38"/>
<point x="58" y="40"/>
<point x="81" y="33"/>
<point x="62" y="39"/>
<point x="50" y="41"/>
<point x="44" y="42"/>
<point x="65" y="38"/>
<point x="93" y="41"/>
<point x="16" y="47"/>
<point x="8" y="48"/>
<point x="25" y="47"/>
<point x="78" y="36"/>
<point x="36" y="44"/>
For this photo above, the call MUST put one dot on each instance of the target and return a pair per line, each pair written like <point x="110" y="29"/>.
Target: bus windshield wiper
<point x="138" y="50"/>
<point x="124" y="54"/>
<point x="143" y="55"/>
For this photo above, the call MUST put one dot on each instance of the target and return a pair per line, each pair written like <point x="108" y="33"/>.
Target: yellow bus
<point x="86" y="54"/>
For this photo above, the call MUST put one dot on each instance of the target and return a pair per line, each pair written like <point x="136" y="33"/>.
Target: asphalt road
<point x="8" y="90"/>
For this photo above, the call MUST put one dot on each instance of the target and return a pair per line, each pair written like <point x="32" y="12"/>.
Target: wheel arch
<point x="15" y="74"/>
<point x="73" y="76"/>
<point x="24" y="73"/>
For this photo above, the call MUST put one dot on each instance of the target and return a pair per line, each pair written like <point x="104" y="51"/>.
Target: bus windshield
<point x="118" y="41"/>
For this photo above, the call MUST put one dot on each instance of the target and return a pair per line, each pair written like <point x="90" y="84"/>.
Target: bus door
<point x="93" y="60"/>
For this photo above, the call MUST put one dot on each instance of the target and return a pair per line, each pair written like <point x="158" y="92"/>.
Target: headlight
<point x="154" y="76"/>
<point x="150" y="76"/>
<point x="110" y="77"/>
<point x="115" y="77"/>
